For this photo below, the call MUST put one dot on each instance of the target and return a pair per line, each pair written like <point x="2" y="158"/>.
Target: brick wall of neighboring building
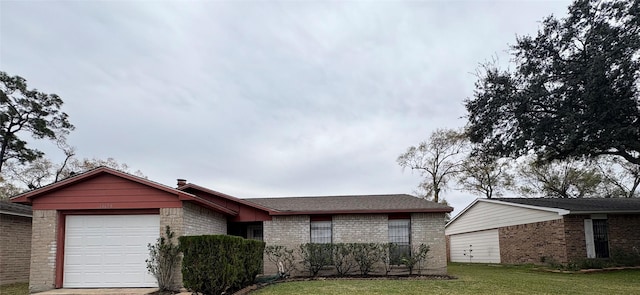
<point x="428" y="229"/>
<point x="537" y="243"/>
<point x="174" y="218"/>
<point x="360" y="228"/>
<point x="288" y="231"/>
<point x="448" y="240"/>
<point x="574" y="236"/>
<point x="43" y="250"/>
<point x="202" y="221"/>
<point x="624" y="233"/>
<point x="15" y="248"/>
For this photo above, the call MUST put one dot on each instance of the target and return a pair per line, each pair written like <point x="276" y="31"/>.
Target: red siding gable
<point x="106" y="191"/>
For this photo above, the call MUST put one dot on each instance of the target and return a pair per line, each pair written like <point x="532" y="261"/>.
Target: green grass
<point x="476" y="279"/>
<point x="15" y="289"/>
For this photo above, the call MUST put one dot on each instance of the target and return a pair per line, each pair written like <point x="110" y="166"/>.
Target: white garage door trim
<point x="481" y="246"/>
<point x="103" y="251"/>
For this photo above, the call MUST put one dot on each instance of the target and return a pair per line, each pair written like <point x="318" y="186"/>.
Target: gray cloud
<point x="262" y="98"/>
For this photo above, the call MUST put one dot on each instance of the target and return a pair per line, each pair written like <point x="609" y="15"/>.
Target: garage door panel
<point x="109" y="250"/>
<point x="480" y="246"/>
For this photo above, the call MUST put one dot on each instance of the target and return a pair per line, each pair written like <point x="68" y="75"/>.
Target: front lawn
<point x="476" y="279"/>
<point x="15" y="289"/>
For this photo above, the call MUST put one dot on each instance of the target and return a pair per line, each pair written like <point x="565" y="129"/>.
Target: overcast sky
<point x="262" y="98"/>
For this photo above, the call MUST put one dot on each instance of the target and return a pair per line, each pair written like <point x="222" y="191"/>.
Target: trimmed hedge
<point x="215" y="264"/>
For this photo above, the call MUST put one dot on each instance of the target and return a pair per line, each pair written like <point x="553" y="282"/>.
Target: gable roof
<point x="398" y="203"/>
<point x="196" y="187"/>
<point x="27" y="197"/>
<point x="582" y="205"/>
<point x="15" y="209"/>
<point x="565" y="206"/>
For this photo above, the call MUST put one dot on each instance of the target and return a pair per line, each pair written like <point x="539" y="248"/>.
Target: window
<point x="321" y="232"/>
<point x="254" y="232"/>
<point x="400" y="238"/>
<point x="601" y="238"/>
<point x="597" y="237"/>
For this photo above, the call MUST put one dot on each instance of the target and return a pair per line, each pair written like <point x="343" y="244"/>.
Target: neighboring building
<point x="92" y="230"/>
<point x="542" y="230"/>
<point x="15" y="242"/>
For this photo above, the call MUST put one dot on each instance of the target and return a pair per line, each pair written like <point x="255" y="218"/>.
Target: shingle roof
<point x="357" y="203"/>
<point x="15" y="209"/>
<point x="581" y="205"/>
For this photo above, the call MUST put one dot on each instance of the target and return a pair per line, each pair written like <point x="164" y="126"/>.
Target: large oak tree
<point x="24" y="112"/>
<point x="574" y="91"/>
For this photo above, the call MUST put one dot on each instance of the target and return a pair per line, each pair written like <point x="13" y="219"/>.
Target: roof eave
<point x="385" y="211"/>
<point x="228" y="197"/>
<point x="543" y="208"/>
<point x="605" y="212"/>
<point x="15" y="213"/>
<point x="205" y="203"/>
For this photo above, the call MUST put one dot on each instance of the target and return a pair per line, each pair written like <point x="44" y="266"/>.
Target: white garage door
<point x="481" y="246"/>
<point x="109" y="250"/>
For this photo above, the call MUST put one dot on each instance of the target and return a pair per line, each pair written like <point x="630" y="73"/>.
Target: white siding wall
<point x="485" y="215"/>
<point x="481" y="247"/>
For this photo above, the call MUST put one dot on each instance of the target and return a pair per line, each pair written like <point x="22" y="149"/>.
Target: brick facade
<point x="43" y="250"/>
<point x="539" y="242"/>
<point x="563" y="240"/>
<point x="360" y="228"/>
<point x="288" y="231"/>
<point x="15" y="248"/>
<point x="428" y="229"/>
<point x="574" y="237"/>
<point x="624" y="233"/>
<point x="202" y="221"/>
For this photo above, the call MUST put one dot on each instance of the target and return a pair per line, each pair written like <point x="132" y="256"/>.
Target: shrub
<point x="418" y="255"/>
<point x="215" y="264"/>
<point x="620" y="257"/>
<point x="588" y="263"/>
<point x="315" y="256"/>
<point x="282" y="257"/>
<point x="343" y="258"/>
<point x="163" y="259"/>
<point x="386" y="258"/>
<point x="366" y="255"/>
<point x="253" y="260"/>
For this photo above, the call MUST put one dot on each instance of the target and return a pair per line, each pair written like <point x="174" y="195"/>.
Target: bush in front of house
<point x="217" y="264"/>
<point x="252" y="260"/>
<point x="417" y="257"/>
<point x="343" y="260"/>
<point x="620" y="257"/>
<point x="366" y="255"/>
<point x="316" y="256"/>
<point x="345" y="257"/>
<point x="283" y="258"/>
<point x="163" y="260"/>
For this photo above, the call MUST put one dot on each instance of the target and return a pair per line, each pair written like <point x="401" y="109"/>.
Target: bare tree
<point x="437" y="159"/>
<point x="622" y="177"/>
<point x="485" y="175"/>
<point x="561" y="179"/>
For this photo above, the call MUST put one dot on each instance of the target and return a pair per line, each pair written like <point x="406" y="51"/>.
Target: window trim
<point x="311" y="230"/>
<point x="406" y="245"/>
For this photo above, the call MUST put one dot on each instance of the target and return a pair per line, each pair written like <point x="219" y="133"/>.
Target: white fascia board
<point x="560" y="212"/>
